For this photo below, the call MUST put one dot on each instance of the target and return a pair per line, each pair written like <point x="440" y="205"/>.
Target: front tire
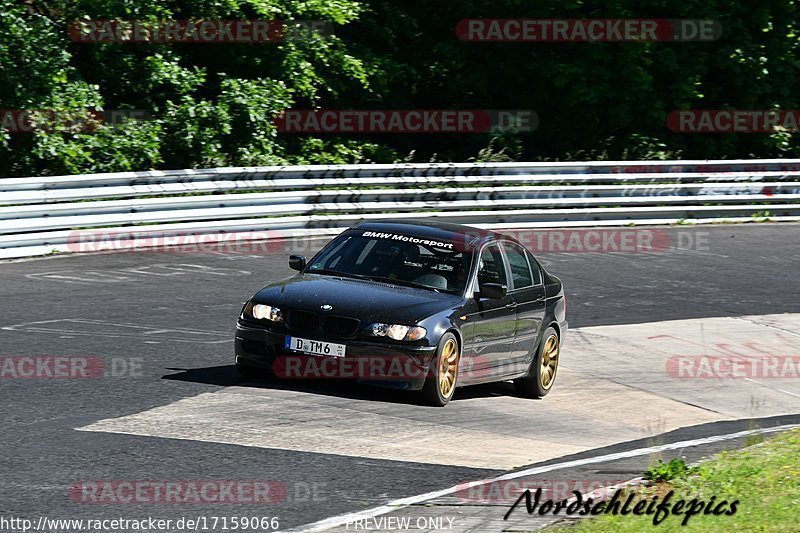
<point x="544" y="367"/>
<point x="440" y="385"/>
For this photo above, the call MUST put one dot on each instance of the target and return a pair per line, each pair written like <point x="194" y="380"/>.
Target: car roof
<point x="432" y="229"/>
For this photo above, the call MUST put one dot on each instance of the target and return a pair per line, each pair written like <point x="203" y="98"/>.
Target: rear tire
<point x="440" y="384"/>
<point x="542" y="374"/>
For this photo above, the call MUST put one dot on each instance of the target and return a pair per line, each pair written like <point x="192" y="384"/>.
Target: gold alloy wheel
<point x="448" y="368"/>
<point x="549" y="362"/>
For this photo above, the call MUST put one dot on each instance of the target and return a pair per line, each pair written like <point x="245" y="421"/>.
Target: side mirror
<point x="493" y="291"/>
<point x="297" y="262"/>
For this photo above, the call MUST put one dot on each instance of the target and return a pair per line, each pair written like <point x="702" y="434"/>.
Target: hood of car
<point x="362" y="299"/>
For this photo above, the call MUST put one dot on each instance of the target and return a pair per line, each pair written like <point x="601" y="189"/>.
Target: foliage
<point x="765" y="479"/>
<point x="214" y="104"/>
<point x="662" y="471"/>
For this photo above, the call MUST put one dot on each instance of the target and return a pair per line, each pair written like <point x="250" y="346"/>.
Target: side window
<point x="535" y="269"/>
<point x="490" y="266"/>
<point x="520" y="269"/>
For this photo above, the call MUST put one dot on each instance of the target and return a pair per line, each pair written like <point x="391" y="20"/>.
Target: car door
<point x="494" y="320"/>
<point x="528" y="295"/>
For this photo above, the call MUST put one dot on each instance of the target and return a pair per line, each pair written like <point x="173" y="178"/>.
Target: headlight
<point x="397" y="332"/>
<point x="265" y="312"/>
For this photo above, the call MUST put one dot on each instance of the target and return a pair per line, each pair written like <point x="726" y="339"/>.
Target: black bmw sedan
<point x="415" y="305"/>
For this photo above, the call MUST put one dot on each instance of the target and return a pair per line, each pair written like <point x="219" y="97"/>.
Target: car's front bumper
<point x="376" y="363"/>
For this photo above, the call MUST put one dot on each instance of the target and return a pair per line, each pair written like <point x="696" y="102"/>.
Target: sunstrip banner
<point x="406" y="238"/>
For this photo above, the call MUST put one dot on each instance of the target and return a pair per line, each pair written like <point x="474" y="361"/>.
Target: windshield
<point x="423" y="263"/>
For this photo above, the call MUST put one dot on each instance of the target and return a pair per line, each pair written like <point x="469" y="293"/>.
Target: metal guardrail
<point x="42" y="215"/>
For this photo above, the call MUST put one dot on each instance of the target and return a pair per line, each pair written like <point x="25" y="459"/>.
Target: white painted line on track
<point x="100" y="328"/>
<point x="341" y="520"/>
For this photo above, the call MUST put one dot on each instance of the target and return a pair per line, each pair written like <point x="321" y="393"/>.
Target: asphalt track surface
<point x="171" y="316"/>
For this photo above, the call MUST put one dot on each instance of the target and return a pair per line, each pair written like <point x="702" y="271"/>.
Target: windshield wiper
<point x="338" y="273"/>
<point x="404" y="283"/>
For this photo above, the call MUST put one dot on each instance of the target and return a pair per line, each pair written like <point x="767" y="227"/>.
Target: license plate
<point x="314" y="347"/>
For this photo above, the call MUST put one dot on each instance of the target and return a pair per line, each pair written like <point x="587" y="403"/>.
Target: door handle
<point x="511" y="305"/>
<point x="539" y="298"/>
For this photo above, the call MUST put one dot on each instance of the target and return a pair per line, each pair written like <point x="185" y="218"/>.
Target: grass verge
<point x="765" y="479"/>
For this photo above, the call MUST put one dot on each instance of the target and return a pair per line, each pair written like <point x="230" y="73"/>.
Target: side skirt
<point x="489" y="379"/>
